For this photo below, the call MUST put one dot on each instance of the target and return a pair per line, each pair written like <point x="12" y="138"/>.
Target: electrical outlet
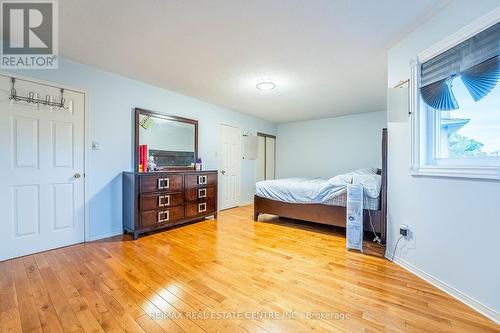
<point x="404" y="231"/>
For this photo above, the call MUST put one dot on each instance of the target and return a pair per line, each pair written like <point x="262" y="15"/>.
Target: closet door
<point x="261" y="159"/>
<point x="270" y="157"/>
<point x="266" y="160"/>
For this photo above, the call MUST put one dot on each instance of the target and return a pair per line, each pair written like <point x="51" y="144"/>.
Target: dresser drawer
<point x="200" y="180"/>
<point x="157" y="201"/>
<point x="195" y="208"/>
<point x="202" y="193"/>
<point x="160" y="183"/>
<point x="156" y="217"/>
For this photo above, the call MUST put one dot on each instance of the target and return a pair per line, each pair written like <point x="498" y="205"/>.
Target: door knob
<point x="77" y="175"/>
<point x="223" y="172"/>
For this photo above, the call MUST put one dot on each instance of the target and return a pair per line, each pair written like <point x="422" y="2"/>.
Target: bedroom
<point x="140" y="146"/>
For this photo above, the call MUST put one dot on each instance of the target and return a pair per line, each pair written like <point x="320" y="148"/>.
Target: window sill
<point x="478" y="172"/>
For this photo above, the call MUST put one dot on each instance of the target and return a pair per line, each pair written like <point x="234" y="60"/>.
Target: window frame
<point x="423" y="150"/>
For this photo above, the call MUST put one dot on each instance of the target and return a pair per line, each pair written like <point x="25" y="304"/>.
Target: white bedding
<point x="319" y="190"/>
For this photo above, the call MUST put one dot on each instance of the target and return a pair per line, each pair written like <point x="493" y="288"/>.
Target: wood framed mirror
<point x="171" y="141"/>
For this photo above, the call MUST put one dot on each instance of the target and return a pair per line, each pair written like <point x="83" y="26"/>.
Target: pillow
<point x="365" y="171"/>
<point x="340" y="180"/>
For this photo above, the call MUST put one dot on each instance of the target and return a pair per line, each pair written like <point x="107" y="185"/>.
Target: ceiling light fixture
<point x="266" y="85"/>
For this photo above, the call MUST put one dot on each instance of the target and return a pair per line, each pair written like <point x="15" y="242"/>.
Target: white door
<point x="229" y="167"/>
<point x="41" y="170"/>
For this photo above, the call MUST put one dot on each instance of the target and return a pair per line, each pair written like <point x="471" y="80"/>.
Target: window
<point x="456" y="105"/>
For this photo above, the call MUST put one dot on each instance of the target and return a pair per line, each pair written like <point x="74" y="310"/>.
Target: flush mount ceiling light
<point x="266" y="85"/>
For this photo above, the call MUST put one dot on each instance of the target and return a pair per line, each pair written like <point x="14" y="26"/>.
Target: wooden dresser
<point x="157" y="200"/>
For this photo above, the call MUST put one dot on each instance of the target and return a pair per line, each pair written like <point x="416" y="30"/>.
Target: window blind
<point x="476" y="61"/>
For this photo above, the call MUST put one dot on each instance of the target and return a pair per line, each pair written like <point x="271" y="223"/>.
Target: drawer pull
<point x="202" y="193"/>
<point x="163" y="200"/>
<point x="202" y="207"/>
<point x="163" y="183"/>
<point x="163" y="216"/>
<point x="202" y="180"/>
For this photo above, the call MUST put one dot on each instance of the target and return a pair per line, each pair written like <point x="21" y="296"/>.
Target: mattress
<point x="332" y="191"/>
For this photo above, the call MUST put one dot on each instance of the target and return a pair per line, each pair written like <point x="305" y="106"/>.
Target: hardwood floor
<point x="232" y="275"/>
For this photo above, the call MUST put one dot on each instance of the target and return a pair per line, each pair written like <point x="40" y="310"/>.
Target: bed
<point x="323" y="201"/>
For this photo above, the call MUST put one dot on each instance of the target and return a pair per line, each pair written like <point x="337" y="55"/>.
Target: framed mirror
<point x="171" y="142"/>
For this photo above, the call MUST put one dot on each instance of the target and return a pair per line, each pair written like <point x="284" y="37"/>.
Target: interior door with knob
<point x="229" y="167"/>
<point x="42" y="170"/>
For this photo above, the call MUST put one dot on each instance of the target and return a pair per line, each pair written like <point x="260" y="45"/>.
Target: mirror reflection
<point x="171" y="143"/>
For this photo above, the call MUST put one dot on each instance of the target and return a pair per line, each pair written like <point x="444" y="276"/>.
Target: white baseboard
<point x="106" y="235"/>
<point x="466" y="299"/>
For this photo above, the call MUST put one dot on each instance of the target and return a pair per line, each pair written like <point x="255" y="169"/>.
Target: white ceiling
<point x="327" y="57"/>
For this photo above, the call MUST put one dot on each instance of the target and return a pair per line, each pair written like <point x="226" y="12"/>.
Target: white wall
<point x="455" y="223"/>
<point x="112" y="99"/>
<point x="328" y="147"/>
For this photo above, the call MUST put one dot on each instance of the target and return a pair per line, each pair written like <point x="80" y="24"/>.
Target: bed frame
<point x="327" y="214"/>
